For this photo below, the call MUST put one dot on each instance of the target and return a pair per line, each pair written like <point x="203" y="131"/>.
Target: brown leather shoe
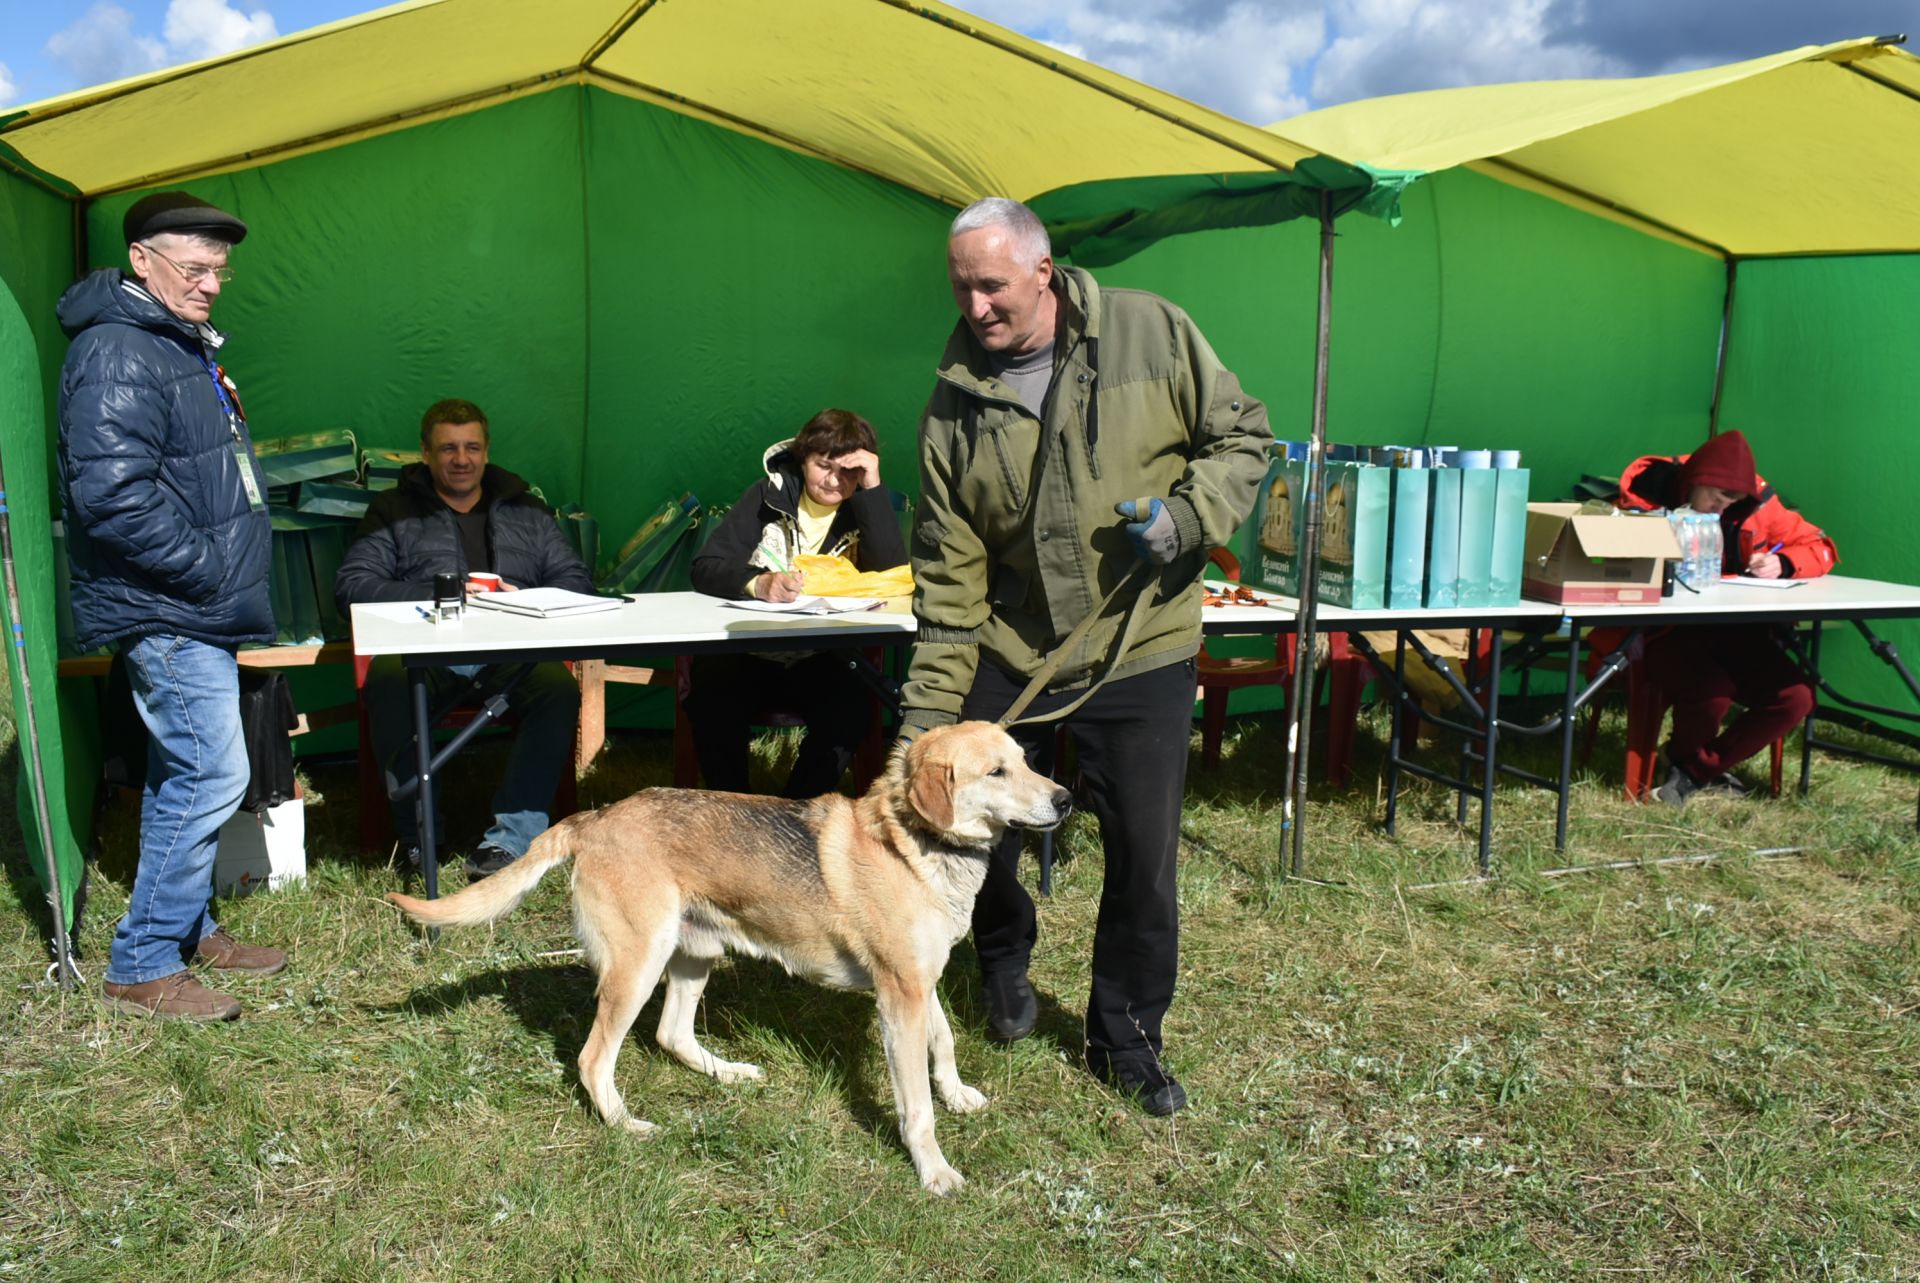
<point x="175" y="997"/>
<point x="223" y="953"/>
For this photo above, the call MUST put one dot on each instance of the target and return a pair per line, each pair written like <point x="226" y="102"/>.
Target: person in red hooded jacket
<point x="1706" y="669"/>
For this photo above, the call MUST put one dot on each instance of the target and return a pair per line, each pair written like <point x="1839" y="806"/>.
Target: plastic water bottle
<point x="1685" y="533"/>
<point x="1716" y="549"/>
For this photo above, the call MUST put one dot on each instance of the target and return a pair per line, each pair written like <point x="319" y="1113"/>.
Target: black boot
<point x="1011" y="1006"/>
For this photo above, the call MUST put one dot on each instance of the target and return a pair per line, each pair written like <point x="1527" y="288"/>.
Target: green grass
<point x="1693" y="1072"/>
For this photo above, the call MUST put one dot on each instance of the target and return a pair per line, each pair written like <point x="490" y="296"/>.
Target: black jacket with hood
<point x="865" y="529"/>
<point x="161" y="533"/>
<point x="408" y="536"/>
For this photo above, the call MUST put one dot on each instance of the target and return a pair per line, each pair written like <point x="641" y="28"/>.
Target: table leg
<point x="1569" y="712"/>
<point x="1806" y="727"/>
<point x="423" y="799"/>
<point x="1399" y="705"/>
<point x="1488" y="763"/>
<point x="592" y="734"/>
<point x="1466" y="746"/>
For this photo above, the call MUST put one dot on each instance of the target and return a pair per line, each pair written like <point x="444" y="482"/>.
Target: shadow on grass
<point x="746" y="1001"/>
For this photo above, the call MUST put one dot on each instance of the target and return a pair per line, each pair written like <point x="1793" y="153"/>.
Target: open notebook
<point x="543" y="603"/>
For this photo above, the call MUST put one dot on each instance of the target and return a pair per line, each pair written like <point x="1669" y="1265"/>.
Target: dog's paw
<point x="962" y="1099"/>
<point x="637" y="1127"/>
<point x="942" y="1180"/>
<point x="737" y="1071"/>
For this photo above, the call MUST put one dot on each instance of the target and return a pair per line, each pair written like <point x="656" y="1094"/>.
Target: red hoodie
<point x="1752" y="526"/>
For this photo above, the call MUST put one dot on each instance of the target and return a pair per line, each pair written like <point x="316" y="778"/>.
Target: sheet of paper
<point x="809" y="605"/>
<point x="1744" y="581"/>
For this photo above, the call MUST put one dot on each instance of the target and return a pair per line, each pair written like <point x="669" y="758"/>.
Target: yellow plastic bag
<point x="838" y="577"/>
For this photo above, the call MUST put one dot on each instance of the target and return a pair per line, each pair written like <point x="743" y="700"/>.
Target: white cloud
<point x="104" y="45"/>
<point x="207" y="28"/>
<point x="1236" y="56"/>
<point x="8" y="87"/>
<point x="1400" y="46"/>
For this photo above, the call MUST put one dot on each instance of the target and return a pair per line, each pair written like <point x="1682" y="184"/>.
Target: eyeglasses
<point x="192" y="273"/>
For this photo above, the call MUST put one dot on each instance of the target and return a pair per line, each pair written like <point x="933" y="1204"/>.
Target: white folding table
<point x="681" y="623"/>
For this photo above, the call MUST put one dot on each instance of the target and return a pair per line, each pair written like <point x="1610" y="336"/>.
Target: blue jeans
<point x="188" y="694"/>
<point x="546" y="703"/>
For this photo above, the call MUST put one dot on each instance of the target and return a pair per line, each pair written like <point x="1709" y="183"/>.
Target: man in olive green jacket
<point x="1074" y="434"/>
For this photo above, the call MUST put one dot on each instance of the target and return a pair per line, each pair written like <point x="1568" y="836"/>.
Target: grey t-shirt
<point x="1029" y="376"/>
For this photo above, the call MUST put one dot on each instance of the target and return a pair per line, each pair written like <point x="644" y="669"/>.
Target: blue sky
<point x="1260" y="60"/>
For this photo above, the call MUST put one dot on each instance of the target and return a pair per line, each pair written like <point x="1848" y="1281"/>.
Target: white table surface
<point x="1831" y="596"/>
<point x="658" y="621"/>
<point x="680" y="620"/>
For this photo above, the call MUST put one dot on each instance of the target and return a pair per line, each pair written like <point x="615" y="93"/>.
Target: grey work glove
<point x="1150" y="527"/>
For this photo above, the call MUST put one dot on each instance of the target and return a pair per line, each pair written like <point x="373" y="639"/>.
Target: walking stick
<point x="62" y="964"/>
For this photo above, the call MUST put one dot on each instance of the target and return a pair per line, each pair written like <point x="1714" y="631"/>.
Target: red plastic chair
<point x="376" y="818"/>
<point x="1220" y="675"/>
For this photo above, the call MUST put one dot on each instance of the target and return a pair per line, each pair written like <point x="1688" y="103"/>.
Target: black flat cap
<point x="180" y="212"/>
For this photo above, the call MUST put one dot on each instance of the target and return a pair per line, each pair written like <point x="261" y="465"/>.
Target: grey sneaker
<point x="1727" y="784"/>
<point x="1678" y="788"/>
<point x="486" y="861"/>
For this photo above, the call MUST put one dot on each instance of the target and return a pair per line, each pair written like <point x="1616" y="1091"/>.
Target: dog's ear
<point x="931" y="791"/>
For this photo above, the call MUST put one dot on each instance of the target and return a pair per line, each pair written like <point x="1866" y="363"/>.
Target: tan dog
<point x="856" y="894"/>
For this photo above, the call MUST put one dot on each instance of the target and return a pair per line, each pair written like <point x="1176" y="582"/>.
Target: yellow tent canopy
<point x="918" y="93"/>
<point x="1803" y="152"/>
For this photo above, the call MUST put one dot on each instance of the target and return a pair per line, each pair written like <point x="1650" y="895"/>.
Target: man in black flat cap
<point x="169" y="539"/>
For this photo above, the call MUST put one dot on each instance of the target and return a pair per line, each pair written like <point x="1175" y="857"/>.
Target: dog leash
<point x="1071" y="643"/>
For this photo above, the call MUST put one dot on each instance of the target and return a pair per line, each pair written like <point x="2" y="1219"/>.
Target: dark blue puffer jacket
<point x="159" y="529"/>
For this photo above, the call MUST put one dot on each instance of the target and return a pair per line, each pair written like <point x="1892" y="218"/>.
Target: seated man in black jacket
<point x="821" y="495"/>
<point x="456" y="514"/>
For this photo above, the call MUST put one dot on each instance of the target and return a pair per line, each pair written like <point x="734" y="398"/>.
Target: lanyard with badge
<point x="242" y="457"/>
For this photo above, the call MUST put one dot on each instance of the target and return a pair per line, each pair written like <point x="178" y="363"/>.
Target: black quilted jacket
<point x="160" y="532"/>
<point x="408" y="536"/>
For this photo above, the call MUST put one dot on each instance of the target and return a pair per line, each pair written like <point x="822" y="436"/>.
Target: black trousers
<point x="1131" y="740"/>
<point x="727" y="690"/>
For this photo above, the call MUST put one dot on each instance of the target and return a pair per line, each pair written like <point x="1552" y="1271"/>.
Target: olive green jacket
<point x="1015" y="539"/>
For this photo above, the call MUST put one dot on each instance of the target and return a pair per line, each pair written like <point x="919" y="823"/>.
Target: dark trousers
<point x="1705" y="671"/>
<point x="727" y="690"/>
<point x="1131" y="742"/>
<point x="546" y="702"/>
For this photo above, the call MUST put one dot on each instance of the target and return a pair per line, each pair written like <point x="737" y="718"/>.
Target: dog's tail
<point x="496" y="896"/>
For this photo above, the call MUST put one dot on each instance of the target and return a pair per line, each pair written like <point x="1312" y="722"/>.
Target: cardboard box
<point x="1595" y="558"/>
<point x="262" y="849"/>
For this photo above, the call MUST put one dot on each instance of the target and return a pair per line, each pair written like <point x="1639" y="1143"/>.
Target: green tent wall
<point x="36" y="256"/>
<point x="1821" y="378"/>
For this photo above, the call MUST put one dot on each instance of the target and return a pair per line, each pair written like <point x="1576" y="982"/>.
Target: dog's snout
<point x="1062" y="802"/>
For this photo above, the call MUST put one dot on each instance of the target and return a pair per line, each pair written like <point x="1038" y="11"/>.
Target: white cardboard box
<point x="262" y="849"/>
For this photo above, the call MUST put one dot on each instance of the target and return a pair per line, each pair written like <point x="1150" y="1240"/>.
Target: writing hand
<point x="778" y="586"/>
<point x="1764" y="565"/>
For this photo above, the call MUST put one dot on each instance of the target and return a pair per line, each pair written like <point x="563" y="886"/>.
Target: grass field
<point x="1679" y="1072"/>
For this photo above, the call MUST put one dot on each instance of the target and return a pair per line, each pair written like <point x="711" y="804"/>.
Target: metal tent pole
<point x="1299" y="733"/>
<point x="30" y="743"/>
